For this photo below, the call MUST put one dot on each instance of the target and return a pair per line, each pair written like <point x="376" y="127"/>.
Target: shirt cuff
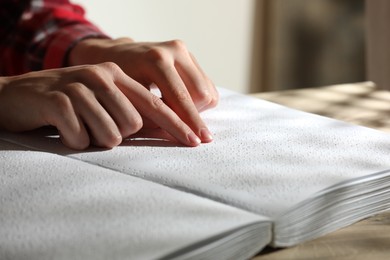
<point x="64" y="40"/>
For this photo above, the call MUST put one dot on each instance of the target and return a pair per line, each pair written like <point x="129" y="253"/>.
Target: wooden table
<point x="362" y="104"/>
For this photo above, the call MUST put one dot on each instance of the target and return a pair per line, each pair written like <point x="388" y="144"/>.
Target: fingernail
<point x="205" y="135"/>
<point x="194" y="140"/>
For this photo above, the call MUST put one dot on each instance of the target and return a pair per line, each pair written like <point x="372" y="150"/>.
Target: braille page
<point x="265" y="158"/>
<point x="53" y="207"/>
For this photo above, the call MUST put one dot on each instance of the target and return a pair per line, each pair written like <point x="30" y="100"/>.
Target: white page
<point x="53" y="207"/>
<point x="265" y="158"/>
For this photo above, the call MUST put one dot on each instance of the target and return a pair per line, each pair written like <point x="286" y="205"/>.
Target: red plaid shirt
<point x="38" y="34"/>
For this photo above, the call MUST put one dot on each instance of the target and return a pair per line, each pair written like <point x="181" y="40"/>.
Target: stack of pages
<point x="273" y="176"/>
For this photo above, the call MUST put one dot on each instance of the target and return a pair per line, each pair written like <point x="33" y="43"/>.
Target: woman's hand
<point x="185" y="88"/>
<point x="97" y="104"/>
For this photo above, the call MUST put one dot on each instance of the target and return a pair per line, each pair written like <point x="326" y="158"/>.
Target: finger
<point x="177" y="97"/>
<point x="201" y="89"/>
<point x="121" y="110"/>
<point x="100" y="80"/>
<point x="157" y="111"/>
<point x="101" y="126"/>
<point x="60" y="113"/>
<point x="152" y="107"/>
<point x="76" y="138"/>
<point x="211" y="86"/>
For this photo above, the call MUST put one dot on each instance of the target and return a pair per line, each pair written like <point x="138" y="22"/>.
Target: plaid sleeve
<point x="56" y="46"/>
<point x="42" y="34"/>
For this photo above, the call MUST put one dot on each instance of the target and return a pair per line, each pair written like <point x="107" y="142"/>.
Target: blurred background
<point x="250" y="45"/>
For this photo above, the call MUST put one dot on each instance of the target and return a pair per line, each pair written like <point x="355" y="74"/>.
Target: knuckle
<point x="212" y="99"/>
<point x="100" y="77"/>
<point x="157" y="103"/>
<point x="209" y="97"/>
<point x="110" y="66"/>
<point x="213" y="102"/>
<point x="177" y="45"/>
<point x="101" y="72"/>
<point x="157" y="55"/>
<point x="62" y="103"/>
<point x="123" y="40"/>
<point x="182" y="96"/>
<point x="75" y="89"/>
<point x="93" y="70"/>
<point x="204" y="97"/>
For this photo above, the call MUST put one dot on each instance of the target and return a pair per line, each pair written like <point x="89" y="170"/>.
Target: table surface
<point x="362" y="104"/>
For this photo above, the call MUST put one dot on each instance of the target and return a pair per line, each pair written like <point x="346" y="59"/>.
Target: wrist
<point x="93" y="50"/>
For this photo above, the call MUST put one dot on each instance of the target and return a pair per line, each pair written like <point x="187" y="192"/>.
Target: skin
<point x="109" y="100"/>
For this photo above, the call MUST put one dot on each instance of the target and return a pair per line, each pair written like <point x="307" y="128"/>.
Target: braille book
<point x="272" y="176"/>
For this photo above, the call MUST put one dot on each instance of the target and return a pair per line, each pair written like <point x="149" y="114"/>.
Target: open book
<point x="273" y="176"/>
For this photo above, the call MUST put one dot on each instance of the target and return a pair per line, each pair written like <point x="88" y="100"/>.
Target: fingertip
<point x="81" y="144"/>
<point x="206" y="136"/>
<point x="116" y="140"/>
<point x="108" y="142"/>
<point x="193" y="139"/>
